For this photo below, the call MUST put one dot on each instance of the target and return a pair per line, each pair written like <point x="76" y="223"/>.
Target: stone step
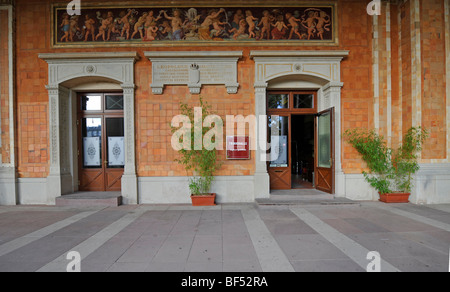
<point x="303" y="197"/>
<point x="91" y="199"/>
<point x="271" y="202"/>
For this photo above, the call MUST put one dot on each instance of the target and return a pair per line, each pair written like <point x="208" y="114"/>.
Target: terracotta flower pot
<point x="207" y="200"/>
<point x="395" y="198"/>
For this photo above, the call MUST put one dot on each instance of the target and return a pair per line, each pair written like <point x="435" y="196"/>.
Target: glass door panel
<point x="324" y="140"/>
<point x="279" y="133"/>
<point x="325" y="151"/>
<point x="279" y="169"/>
<point x="92" y="142"/>
<point x="115" y="142"/>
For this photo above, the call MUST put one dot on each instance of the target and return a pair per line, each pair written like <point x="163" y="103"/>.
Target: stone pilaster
<point x="8" y="171"/>
<point x="261" y="177"/>
<point x="129" y="179"/>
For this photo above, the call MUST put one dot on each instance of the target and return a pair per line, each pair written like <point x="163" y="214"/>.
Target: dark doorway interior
<point x="302" y="134"/>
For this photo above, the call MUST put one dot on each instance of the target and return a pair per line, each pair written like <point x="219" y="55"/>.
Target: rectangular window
<point x="278" y="101"/>
<point x="303" y="101"/>
<point x="114" y="102"/>
<point x="92" y="140"/>
<point x="115" y="133"/>
<point x="91" y="103"/>
<point x="324" y="141"/>
<point x="279" y="133"/>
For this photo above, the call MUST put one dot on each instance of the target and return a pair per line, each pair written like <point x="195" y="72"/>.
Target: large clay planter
<point x="395" y="198"/>
<point x="207" y="200"/>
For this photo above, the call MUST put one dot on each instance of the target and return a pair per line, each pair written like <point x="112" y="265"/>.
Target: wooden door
<point x="324" y="177"/>
<point x="92" y="171"/>
<point x="281" y="105"/>
<point x="101" y="142"/>
<point x="115" y="156"/>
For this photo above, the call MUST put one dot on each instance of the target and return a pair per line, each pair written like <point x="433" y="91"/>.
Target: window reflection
<point x="303" y="100"/>
<point x="278" y="101"/>
<point x="91" y="103"/>
<point x="92" y="141"/>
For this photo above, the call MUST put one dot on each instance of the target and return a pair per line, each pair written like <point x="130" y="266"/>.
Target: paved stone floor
<point x="227" y="238"/>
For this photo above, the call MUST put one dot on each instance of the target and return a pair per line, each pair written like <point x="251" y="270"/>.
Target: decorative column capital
<point x="128" y="88"/>
<point x="261" y="87"/>
<point x="52" y="88"/>
<point x="333" y="86"/>
<point x="55" y="89"/>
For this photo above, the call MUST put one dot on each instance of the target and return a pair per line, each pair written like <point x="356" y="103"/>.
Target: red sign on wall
<point x="238" y="147"/>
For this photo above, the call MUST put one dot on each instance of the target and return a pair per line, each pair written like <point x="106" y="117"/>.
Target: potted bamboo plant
<point x="200" y="161"/>
<point x="391" y="171"/>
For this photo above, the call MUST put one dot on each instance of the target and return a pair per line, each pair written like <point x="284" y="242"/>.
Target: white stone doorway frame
<point x="66" y="70"/>
<point x="318" y="70"/>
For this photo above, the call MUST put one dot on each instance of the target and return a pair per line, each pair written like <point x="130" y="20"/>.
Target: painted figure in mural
<point x="165" y="31"/>
<point x="89" y="28"/>
<point x="105" y="23"/>
<point x="280" y="28"/>
<point x="203" y="31"/>
<point x="73" y="27"/>
<point x="238" y="16"/>
<point x="149" y="22"/>
<point x="293" y="22"/>
<point x="266" y="20"/>
<point x="310" y="24"/>
<point x="65" y="27"/>
<point x="111" y="27"/>
<point x="251" y="23"/>
<point x="151" y="32"/>
<point x="125" y="22"/>
<point x="323" y="23"/>
<point x="240" y="33"/>
<point x="177" y="24"/>
<point x="197" y="24"/>
<point x="139" y="26"/>
<point x="218" y="31"/>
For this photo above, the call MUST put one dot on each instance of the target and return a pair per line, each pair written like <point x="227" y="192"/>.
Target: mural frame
<point x="331" y="8"/>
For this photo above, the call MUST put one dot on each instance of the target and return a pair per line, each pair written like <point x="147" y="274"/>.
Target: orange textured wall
<point x="433" y="78"/>
<point x="4" y="86"/>
<point x="395" y="77"/>
<point x="154" y="112"/>
<point x="355" y="28"/>
<point x="406" y="66"/>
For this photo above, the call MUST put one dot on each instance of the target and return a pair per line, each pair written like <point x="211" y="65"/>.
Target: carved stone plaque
<point x="194" y="70"/>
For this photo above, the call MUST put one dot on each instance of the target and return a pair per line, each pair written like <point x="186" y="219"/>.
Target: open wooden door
<point x="281" y="106"/>
<point x="324" y="177"/>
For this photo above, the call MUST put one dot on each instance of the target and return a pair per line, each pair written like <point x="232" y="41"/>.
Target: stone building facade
<point x="387" y="72"/>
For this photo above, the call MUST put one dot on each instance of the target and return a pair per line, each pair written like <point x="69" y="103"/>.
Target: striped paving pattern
<point x="226" y="238"/>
